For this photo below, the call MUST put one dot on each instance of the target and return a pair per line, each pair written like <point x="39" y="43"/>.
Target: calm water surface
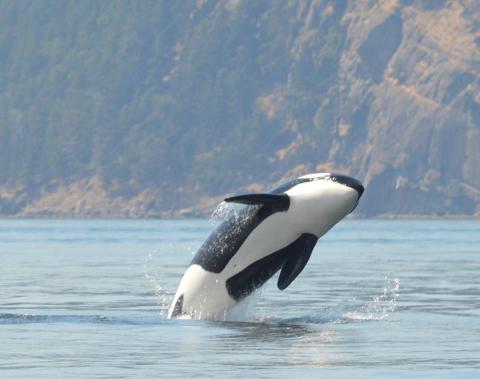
<point x="378" y="299"/>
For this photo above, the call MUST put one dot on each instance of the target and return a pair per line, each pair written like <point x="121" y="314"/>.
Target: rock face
<point x="404" y="112"/>
<point x="255" y="93"/>
<point x="421" y="104"/>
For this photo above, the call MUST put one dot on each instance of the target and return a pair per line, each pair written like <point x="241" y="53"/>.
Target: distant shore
<point x="178" y="215"/>
<point x="92" y="199"/>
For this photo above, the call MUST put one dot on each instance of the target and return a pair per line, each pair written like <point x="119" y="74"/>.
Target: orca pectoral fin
<point x="278" y="202"/>
<point x="296" y="260"/>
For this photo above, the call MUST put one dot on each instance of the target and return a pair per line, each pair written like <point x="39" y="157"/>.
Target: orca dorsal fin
<point x="296" y="259"/>
<point x="277" y="202"/>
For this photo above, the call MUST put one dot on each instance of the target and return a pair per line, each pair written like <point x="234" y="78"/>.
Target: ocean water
<point x="378" y="299"/>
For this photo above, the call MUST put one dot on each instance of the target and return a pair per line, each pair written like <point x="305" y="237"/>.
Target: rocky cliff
<point x="162" y="109"/>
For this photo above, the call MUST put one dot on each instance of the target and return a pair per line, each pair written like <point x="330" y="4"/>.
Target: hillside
<point x="161" y="108"/>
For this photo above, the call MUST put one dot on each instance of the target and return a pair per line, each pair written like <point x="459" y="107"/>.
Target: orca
<point x="276" y="231"/>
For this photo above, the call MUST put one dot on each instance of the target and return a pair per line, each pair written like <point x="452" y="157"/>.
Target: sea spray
<point x="162" y="296"/>
<point x="379" y="307"/>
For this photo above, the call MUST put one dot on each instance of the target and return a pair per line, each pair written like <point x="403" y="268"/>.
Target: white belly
<point x="205" y="295"/>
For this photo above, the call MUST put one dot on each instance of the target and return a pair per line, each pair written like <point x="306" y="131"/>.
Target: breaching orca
<point x="276" y="231"/>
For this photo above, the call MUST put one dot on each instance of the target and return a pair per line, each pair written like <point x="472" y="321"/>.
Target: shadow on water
<point x="272" y="330"/>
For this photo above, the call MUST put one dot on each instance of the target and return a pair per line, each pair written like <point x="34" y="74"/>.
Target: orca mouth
<point x="349" y="182"/>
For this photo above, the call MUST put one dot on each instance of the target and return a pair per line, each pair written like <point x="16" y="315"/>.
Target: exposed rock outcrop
<point x="231" y="96"/>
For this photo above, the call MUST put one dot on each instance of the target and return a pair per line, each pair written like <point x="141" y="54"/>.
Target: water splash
<point x="237" y="213"/>
<point x="350" y="309"/>
<point x="380" y="307"/>
<point x="237" y="221"/>
<point x="150" y="273"/>
<point x="247" y="310"/>
<point x="224" y="211"/>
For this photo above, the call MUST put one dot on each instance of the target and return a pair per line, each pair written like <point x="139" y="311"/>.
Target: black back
<point x="226" y="240"/>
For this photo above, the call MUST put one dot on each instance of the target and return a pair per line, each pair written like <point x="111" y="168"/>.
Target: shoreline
<point x="385" y="217"/>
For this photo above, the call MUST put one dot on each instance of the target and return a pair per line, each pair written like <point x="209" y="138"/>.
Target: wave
<point x="346" y="311"/>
